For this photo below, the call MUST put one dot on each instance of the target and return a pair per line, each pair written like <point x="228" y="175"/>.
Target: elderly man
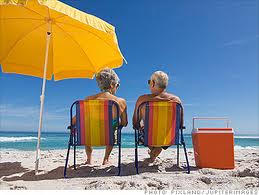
<point x="157" y="86"/>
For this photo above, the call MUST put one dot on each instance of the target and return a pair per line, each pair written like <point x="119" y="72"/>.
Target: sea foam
<point x="18" y="139"/>
<point x="246" y="137"/>
<point x="237" y="147"/>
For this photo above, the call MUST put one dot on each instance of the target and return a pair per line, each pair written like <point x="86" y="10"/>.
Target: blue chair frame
<point x="181" y="143"/>
<point x="73" y="142"/>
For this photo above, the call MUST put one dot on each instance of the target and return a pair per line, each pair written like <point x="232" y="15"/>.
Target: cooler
<point x="213" y="147"/>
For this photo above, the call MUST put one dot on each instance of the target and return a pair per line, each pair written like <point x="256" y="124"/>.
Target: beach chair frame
<point x="72" y="138"/>
<point x="181" y="142"/>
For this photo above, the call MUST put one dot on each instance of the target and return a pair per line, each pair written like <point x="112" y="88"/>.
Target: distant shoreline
<point x="64" y="132"/>
<point x="236" y="148"/>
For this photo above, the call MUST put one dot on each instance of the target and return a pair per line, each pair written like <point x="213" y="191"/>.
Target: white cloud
<point x="189" y="104"/>
<point x="26" y="118"/>
<point x="9" y="110"/>
<point x="32" y="112"/>
<point x="13" y="113"/>
<point x="239" y="41"/>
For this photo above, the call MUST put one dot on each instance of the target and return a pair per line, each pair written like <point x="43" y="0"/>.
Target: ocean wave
<point x="18" y="139"/>
<point x="246" y="137"/>
<point x="237" y="147"/>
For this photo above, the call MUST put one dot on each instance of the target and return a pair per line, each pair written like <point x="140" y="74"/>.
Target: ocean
<point x="52" y="141"/>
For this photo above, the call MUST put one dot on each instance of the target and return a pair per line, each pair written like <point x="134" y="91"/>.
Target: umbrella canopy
<point x="43" y="38"/>
<point x="80" y="46"/>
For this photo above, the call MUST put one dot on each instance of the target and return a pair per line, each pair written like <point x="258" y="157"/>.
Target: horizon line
<point x="61" y="132"/>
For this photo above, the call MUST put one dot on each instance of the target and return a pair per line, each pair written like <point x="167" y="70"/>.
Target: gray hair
<point x="160" y="78"/>
<point x="105" y="78"/>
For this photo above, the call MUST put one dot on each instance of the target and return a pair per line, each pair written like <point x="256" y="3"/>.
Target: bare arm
<point x="135" y="121"/>
<point x="123" y="116"/>
<point x="74" y="120"/>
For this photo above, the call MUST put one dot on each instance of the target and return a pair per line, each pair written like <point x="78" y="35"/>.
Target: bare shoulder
<point x="143" y="98"/>
<point x="174" y="97"/>
<point x="121" y="101"/>
<point x="90" y="97"/>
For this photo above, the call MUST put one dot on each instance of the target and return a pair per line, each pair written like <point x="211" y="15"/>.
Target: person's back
<point x="157" y="86"/>
<point x="108" y="83"/>
<point x="121" y="102"/>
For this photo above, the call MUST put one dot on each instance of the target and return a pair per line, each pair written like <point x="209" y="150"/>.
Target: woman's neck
<point x="107" y="91"/>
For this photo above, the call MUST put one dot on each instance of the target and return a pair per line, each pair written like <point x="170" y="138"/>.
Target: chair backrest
<point x="96" y="122"/>
<point x="162" y="123"/>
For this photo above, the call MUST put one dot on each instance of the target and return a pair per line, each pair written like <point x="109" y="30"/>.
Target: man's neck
<point x="158" y="92"/>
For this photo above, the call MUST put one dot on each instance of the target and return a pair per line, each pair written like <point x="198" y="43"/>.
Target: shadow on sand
<point x="85" y="171"/>
<point x="10" y="168"/>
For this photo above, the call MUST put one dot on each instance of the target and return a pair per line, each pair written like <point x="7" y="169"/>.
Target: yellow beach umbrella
<point x="47" y="38"/>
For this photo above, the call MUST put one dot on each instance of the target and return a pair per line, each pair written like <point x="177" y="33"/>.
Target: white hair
<point x="160" y="78"/>
<point x="105" y="78"/>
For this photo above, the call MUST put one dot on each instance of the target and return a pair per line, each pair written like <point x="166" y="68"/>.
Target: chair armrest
<point x="136" y="129"/>
<point x="120" y="127"/>
<point x="71" y="128"/>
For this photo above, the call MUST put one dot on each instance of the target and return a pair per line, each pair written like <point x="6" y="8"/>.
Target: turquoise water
<point x="50" y="141"/>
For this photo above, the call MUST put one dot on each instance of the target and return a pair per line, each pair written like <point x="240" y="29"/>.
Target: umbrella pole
<point x="42" y="101"/>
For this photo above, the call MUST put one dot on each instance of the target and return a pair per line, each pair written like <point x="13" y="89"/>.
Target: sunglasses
<point x="149" y="81"/>
<point x="117" y="85"/>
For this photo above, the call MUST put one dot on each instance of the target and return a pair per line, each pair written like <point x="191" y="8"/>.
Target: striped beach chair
<point x="163" y="126"/>
<point x="97" y="124"/>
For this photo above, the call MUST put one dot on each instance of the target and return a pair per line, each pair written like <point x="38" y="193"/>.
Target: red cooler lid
<point x="214" y="129"/>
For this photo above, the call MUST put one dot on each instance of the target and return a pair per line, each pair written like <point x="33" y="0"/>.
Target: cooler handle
<point x="209" y="118"/>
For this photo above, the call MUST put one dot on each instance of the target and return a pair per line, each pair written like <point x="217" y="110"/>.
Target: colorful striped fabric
<point x="94" y="120"/>
<point x="162" y="123"/>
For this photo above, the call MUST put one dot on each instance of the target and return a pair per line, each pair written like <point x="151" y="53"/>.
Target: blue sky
<point x="208" y="48"/>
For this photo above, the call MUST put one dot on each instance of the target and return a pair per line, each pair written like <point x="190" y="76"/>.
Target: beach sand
<point x="16" y="171"/>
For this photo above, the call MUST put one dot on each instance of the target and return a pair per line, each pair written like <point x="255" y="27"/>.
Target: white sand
<point x="16" y="172"/>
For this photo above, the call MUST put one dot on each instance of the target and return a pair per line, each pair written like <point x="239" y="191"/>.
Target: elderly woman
<point x="108" y="82"/>
<point x="157" y="85"/>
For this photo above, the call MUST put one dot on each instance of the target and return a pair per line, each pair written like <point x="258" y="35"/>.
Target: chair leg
<point x="74" y="157"/>
<point x="185" y="152"/>
<point x="177" y="155"/>
<point x="65" y="168"/>
<point x="136" y="159"/>
<point x="119" y="160"/>
<point x="136" y="153"/>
